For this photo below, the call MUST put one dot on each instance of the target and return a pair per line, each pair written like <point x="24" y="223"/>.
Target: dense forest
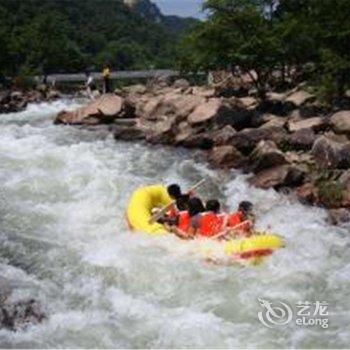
<point x="283" y="41"/>
<point x="39" y="36"/>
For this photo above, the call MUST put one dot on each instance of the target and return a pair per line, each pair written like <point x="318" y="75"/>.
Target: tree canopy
<point x="73" y="35"/>
<point x="308" y="37"/>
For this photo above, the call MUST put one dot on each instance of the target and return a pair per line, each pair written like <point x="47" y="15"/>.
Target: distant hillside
<point x="174" y="24"/>
<point x="65" y="36"/>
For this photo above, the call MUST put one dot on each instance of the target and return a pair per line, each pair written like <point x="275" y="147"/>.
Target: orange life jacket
<point x="184" y="221"/>
<point x="210" y="224"/>
<point x="237" y="218"/>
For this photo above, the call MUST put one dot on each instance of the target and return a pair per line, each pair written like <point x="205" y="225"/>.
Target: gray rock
<point x="127" y="133"/>
<point x="302" y="139"/>
<point x="300" y="97"/>
<point x="339" y="216"/>
<point x="266" y="155"/>
<point x="330" y="154"/>
<point x="226" y="157"/>
<point x="16" y="316"/>
<point x="209" y="110"/>
<point x="316" y="124"/>
<point x="341" y="122"/>
<point x="279" y="176"/>
<point x="247" y="139"/>
<point x="182" y="84"/>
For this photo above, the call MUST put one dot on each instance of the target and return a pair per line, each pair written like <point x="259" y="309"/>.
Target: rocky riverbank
<point x="289" y="142"/>
<point x="16" y="100"/>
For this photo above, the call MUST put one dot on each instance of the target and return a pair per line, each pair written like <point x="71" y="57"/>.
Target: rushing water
<point x="64" y="241"/>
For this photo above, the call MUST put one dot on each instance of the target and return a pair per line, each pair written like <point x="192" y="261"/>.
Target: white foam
<point x="63" y="193"/>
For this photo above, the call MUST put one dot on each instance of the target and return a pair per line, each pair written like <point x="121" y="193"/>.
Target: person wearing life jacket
<point x="210" y="222"/>
<point x="243" y="219"/>
<point x="181" y="199"/>
<point x="183" y="228"/>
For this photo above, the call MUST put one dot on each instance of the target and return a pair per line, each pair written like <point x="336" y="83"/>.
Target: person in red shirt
<point x="243" y="219"/>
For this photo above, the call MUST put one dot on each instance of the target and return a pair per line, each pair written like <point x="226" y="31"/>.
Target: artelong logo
<point x="278" y="313"/>
<point x="274" y="314"/>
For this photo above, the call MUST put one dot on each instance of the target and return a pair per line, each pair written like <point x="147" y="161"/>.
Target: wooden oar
<point x="166" y="208"/>
<point x="226" y="231"/>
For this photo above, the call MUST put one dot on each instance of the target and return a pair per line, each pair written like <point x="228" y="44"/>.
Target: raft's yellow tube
<point x="255" y="242"/>
<point x="141" y="203"/>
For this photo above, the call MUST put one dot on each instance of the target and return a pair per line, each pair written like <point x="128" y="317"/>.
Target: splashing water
<point x="64" y="241"/>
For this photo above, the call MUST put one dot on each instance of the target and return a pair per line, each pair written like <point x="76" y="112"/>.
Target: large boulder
<point x="161" y="131"/>
<point x="184" y="131"/>
<point x="302" y="139"/>
<point x="110" y="105"/>
<point x="223" y="136"/>
<point x="208" y="111"/>
<point x="203" y="91"/>
<point x="341" y="122"/>
<point x="330" y="154"/>
<point x="102" y="110"/>
<point x="246" y="140"/>
<point x="181" y="84"/>
<point x="340" y="138"/>
<point x="313" y="108"/>
<point x="300" y="97"/>
<point x="316" y="124"/>
<point x="199" y="139"/>
<point x="127" y="130"/>
<point x="273" y="121"/>
<point x="17" y="315"/>
<point x="183" y="105"/>
<point x="137" y="89"/>
<point x="339" y="216"/>
<point x="170" y="104"/>
<point x="190" y="136"/>
<point x="249" y="102"/>
<point x="266" y="155"/>
<point x="277" y="177"/>
<point x="226" y="157"/>
<point x="151" y="107"/>
<point x="307" y="193"/>
<point x="276" y="97"/>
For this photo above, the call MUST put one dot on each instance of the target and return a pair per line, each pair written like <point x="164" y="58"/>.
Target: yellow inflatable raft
<point x="144" y="199"/>
<point x="139" y="211"/>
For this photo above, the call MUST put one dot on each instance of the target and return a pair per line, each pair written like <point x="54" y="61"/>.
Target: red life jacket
<point x="184" y="221"/>
<point x="172" y="212"/>
<point x="210" y="224"/>
<point x="237" y="218"/>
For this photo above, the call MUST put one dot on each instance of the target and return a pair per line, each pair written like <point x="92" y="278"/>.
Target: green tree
<point x="237" y="34"/>
<point x="309" y="37"/>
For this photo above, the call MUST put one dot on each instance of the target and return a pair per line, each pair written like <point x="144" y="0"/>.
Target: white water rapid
<point x="64" y="242"/>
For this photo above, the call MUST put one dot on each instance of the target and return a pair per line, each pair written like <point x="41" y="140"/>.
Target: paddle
<point x="228" y="229"/>
<point x="163" y="210"/>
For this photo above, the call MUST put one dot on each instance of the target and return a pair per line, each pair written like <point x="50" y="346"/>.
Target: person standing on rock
<point x="89" y="85"/>
<point x="106" y="78"/>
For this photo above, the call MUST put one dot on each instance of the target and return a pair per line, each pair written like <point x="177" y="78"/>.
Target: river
<point x="64" y="241"/>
